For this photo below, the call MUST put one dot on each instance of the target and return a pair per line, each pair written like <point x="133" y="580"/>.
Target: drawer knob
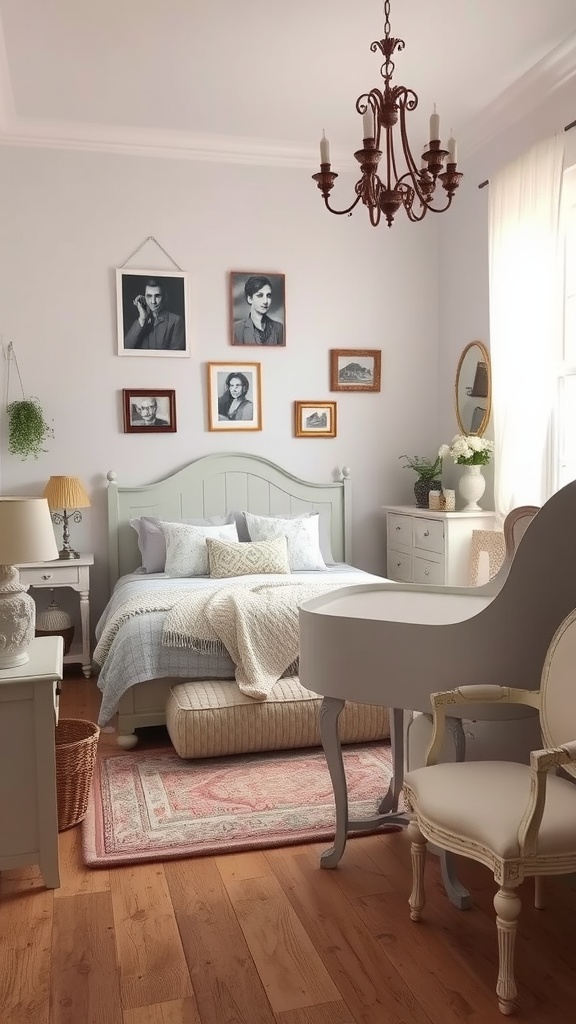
<point x="47" y="576"/>
<point x="398" y="564"/>
<point x="426" y="533"/>
<point x="426" y="572"/>
<point x="398" y="527"/>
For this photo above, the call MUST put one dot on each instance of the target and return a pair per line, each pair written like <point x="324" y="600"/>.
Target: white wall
<point x="70" y="218"/>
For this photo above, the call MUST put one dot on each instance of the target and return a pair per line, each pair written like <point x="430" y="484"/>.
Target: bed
<point x="137" y="674"/>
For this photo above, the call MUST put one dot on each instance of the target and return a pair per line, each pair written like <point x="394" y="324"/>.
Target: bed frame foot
<point x="127" y="741"/>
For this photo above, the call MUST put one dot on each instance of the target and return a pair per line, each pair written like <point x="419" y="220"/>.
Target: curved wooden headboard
<point x="217" y="484"/>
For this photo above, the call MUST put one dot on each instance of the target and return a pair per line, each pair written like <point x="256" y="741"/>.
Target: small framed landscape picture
<point x="355" y="369"/>
<point x="152" y="314"/>
<point x="149" y="412"/>
<point x="234" y="396"/>
<point x="257" y="308"/>
<point x="315" y="419"/>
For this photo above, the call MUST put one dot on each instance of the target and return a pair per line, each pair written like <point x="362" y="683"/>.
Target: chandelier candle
<point x="383" y="111"/>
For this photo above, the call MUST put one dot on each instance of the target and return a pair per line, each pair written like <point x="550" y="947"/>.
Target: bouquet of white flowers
<point x="468" y="450"/>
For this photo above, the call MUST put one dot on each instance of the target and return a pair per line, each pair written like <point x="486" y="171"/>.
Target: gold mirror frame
<point x="483" y="358"/>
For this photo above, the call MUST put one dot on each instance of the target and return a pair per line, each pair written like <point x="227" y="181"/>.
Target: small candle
<point x="452" y="150"/>
<point x="324" y="149"/>
<point x="434" y="126"/>
<point x="368" y="123"/>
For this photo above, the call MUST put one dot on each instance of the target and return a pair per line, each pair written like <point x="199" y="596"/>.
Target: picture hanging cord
<point x="11" y="357"/>
<point x="156" y="242"/>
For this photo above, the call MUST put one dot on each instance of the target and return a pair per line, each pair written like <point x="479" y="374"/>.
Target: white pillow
<point x="151" y="539"/>
<point x="186" y="548"/>
<point x="301" y="534"/>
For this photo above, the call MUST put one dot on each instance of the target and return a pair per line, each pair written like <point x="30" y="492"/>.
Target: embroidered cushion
<point x="302" y="535"/>
<point x="186" y="549"/>
<point x="263" y="556"/>
<point x="151" y="538"/>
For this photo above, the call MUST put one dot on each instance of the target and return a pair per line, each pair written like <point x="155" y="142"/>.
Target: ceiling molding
<point x="525" y="94"/>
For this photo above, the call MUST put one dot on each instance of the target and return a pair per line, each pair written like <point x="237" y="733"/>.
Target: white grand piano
<point x="394" y="644"/>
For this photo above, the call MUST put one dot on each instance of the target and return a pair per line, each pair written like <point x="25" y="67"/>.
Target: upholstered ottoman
<point x="210" y="718"/>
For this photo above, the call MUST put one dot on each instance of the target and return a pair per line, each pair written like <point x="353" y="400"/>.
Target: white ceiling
<point x="259" y="73"/>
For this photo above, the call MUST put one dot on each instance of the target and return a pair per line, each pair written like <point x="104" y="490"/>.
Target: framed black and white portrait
<point x="257" y="308"/>
<point x="146" y="412"/>
<point x="355" y="369"/>
<point x="152" y="313"/>
<point x="234" y="396"/>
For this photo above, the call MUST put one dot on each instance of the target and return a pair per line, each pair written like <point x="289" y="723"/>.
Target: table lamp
<point x="66" y="492"/>
<point x="26" y="535"/>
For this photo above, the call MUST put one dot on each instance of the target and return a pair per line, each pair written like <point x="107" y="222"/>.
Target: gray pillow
<point x="151" y="540"/>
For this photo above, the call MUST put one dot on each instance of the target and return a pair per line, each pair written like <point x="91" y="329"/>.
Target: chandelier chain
<point x="386" y="19"/>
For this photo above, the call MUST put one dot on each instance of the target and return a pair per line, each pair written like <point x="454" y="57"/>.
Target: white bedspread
<point x="137" y="652"/>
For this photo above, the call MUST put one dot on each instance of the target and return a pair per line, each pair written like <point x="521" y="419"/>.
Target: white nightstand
<point x="423" y="546"/>
<point x="28" y="802"/>
<point x="66" y="572"/>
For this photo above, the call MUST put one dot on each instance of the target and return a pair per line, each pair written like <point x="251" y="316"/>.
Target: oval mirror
<point x="473" y="389"/>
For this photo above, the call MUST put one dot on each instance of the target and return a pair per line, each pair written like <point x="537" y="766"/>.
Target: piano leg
<point x="329" y="713"/>
<point x="398" y="726"/>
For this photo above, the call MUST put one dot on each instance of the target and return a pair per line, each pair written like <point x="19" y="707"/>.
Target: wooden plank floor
<point x="267" y="937"/>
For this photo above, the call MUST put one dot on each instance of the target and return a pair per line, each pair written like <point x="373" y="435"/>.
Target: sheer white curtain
<point x="525" y="321"/>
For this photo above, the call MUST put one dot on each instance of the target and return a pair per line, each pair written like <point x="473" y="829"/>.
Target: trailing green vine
<point x="27" y="428"/>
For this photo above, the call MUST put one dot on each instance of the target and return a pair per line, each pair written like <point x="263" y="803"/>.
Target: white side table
<point x="430" y="547"/>
<point x="28" y="803"/>
<point x="69" y="572"/>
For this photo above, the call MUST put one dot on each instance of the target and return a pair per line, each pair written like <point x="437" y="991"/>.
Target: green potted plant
<point x="27" y="428"/>
<point x="427" y="470"/>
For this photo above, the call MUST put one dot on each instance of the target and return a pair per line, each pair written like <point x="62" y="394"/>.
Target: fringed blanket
<point x="256" y="625"/>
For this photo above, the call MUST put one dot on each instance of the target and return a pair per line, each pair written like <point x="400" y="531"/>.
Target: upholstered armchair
<point x="518" y="819"/>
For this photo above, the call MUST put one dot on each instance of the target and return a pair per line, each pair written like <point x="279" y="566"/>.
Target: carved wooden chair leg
<point x="507" y="905"/>
<point x="418" y="853"/>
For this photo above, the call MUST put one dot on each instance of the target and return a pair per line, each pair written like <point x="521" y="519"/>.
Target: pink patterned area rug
<point x="150" y="804"/>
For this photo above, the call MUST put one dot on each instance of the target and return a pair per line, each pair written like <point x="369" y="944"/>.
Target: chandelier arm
<point x="341" y="213"/>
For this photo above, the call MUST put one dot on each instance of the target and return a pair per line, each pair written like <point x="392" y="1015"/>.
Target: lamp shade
<point x="66" y="492"/>
<point x="26" y="532"/>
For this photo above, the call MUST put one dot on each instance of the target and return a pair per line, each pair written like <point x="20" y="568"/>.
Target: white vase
<point x="471" y="487"/>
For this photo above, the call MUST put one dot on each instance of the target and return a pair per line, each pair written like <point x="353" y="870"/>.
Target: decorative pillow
<point x="324" y="529"/>
<point x="151" y="539"/>
<point x="301" y="534"/>
<point x="186" y="549"/>
<point x="247" y="559"/>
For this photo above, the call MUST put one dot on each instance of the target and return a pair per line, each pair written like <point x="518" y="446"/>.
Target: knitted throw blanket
<point x="258" y="626"/>
<point x="160" y="601"/>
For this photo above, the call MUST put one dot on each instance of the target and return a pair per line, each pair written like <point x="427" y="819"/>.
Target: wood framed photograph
<point x="355" y="369"/>
<point x="315" y="419"/>
<point x="234" y="396"/>
<point x="149" y="412"/>
<point x="257" y="308"/>
<point x="152" y="313"/>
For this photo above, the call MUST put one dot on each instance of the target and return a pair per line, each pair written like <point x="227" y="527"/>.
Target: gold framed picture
<point x="315" y="419"/>
<point x="355" y="369"/>
<point x="234" y="396"/>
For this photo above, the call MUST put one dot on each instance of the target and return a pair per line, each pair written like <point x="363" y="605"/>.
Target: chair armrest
<point x="541" y="762"/>
<point x="477" y="694"/>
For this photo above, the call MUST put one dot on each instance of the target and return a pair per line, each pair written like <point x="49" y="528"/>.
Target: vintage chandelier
<point x="382" y="112"/>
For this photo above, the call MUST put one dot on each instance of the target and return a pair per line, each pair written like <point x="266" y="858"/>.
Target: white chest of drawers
<point x="429" y="547"/>
<point x="28" y="801"/>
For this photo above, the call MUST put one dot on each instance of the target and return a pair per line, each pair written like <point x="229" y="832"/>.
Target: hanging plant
<point x="27" y="429"/>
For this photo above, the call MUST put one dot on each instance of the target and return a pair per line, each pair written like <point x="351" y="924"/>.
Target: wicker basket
<point x="76" y="743"/>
